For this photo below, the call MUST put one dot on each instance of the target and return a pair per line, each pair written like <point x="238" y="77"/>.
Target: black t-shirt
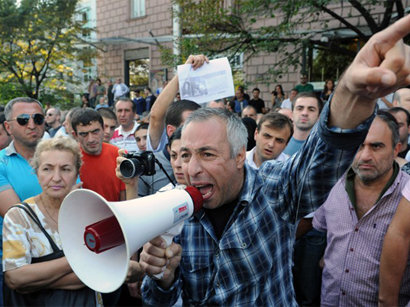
<point x="258" y="104"/>
<point x="219" y="217"/>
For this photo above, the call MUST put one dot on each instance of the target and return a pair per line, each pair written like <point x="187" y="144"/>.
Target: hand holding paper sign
<point x="209" y="82"/>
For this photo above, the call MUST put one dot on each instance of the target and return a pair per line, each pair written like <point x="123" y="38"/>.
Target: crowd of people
<point x="300" y="195"/>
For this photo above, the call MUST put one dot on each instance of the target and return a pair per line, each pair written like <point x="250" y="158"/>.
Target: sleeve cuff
<point x="343" y="138"/>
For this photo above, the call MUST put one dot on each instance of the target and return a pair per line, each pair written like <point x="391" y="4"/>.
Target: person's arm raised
<point x="393" y="261"/>
<point x="381" y="67"/>
<point x="159" y="109"/>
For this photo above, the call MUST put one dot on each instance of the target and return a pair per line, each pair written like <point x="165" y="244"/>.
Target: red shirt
<point x="98" y="173"/>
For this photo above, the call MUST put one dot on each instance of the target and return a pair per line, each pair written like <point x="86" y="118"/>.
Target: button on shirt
<point x="250" y="265"/>
<point x="352" y="257"/>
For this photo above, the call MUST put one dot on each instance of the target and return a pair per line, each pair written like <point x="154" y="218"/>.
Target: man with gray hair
<point x="238" y="249"/>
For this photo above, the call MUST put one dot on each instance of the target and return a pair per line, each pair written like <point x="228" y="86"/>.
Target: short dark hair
<point x="309" y="95"/>
<point x="396" y="110"/>
<point x="107" y="113"/>
<point x="256" y="89"/>
<point x="174" y="113"/>
<point x="126" y="99"/>
<point x="276" y="120"/>
<point x="84" y="117"/>
<point x="142" y="126"/>
<point x="2" y="120"/>
<point x="175" y="136"/>
<point x="391" y="122"/>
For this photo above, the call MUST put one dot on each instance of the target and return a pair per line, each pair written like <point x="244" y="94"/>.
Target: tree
<point x="38" y="39"/>
<point x="285" y="28"/>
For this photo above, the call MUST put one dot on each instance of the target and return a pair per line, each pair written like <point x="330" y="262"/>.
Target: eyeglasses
<point x="23" y="119"/>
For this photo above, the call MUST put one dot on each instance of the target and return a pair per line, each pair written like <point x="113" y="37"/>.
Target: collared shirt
<point x="352" y="257"/>
<point x="16" y="173"/>
<point x="251" y="153"/>
<point x="250" y="265"/>
<point x="125" y="140"/>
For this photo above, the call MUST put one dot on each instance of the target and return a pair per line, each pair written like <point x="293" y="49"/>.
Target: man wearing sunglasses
<point x="25" y="123"/>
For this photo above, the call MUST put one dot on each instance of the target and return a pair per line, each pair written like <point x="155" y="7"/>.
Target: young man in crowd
<point x="306" y="110"/>
<point x="271" y="136"/>
<point x="110" y="123"/>
<point x="99" y="159"/>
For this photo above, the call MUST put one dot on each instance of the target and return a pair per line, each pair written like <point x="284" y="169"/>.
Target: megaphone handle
<point x="168" y="237"/>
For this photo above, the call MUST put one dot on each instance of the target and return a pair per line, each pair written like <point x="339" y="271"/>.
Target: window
<point x="137" y="8"/>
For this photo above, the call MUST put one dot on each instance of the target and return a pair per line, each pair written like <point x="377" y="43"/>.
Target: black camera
<point x="138" y="164"/>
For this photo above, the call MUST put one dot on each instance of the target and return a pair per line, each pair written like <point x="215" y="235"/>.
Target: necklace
<point x="45" y="208"/>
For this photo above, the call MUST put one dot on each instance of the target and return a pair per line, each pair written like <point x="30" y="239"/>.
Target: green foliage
<point x="38" y="38"/>
<point x="8" y="91"/>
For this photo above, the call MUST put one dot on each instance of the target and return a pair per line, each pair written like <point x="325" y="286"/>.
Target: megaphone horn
<point x="99" y="237"/>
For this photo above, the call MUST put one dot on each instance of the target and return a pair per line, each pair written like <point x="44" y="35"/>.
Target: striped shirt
<point x="352" y="256"/>
<point x="250" y="265"/>
<point x="125" y="140"/>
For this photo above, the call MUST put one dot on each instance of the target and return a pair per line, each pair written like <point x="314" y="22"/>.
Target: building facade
<point x="132" y="31"/>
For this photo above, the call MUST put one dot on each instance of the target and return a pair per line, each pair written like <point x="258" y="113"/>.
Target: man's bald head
<point x="402" y="98"/>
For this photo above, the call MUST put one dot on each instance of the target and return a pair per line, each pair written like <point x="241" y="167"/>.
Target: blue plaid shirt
<point x="251" y="263"/>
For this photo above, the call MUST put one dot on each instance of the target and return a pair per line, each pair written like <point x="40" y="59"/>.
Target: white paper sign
<point x="211" y="81"/>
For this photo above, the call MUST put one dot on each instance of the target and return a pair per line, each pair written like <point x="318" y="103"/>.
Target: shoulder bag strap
<point x="35" y="218"/>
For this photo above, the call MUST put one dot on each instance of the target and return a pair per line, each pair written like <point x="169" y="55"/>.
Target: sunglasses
<point x="23" y="119"/>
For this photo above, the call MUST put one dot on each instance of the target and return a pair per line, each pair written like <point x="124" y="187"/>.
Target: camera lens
<point x="131" y="167"/>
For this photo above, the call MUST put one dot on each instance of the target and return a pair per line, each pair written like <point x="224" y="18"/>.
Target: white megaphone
<point x="99" y="237"/>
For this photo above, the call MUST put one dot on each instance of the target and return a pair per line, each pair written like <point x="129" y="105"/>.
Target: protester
<point x="250" y="111"/>
<point x="356" y="215"/>
<point x="5" y="137"/>
<point x="257" y="102"/>
<point x="306" y="111"/>
<point x="304" y="86"/>
<point x="394" y="277"/>
<point x="99" y="159"/>
<point x="402" y="117"/>
<point x="123" y="136"/>
<point x="53" y="117"/>
<point x="110" y="123"/>
<point x="119" y="89"/>
<point x="240" y="100"/>
<point x="327" y="90"/>
<point x="232" y="253"/>
<point x="278" y="96"/>
<point x="141" y="137"/>
<point x="271" y="136"/>
<point x="150" y="99"/>
<point x="288" y="103"/>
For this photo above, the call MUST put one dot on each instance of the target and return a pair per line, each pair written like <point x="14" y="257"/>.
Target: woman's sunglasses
<point x="23" y="119"/>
